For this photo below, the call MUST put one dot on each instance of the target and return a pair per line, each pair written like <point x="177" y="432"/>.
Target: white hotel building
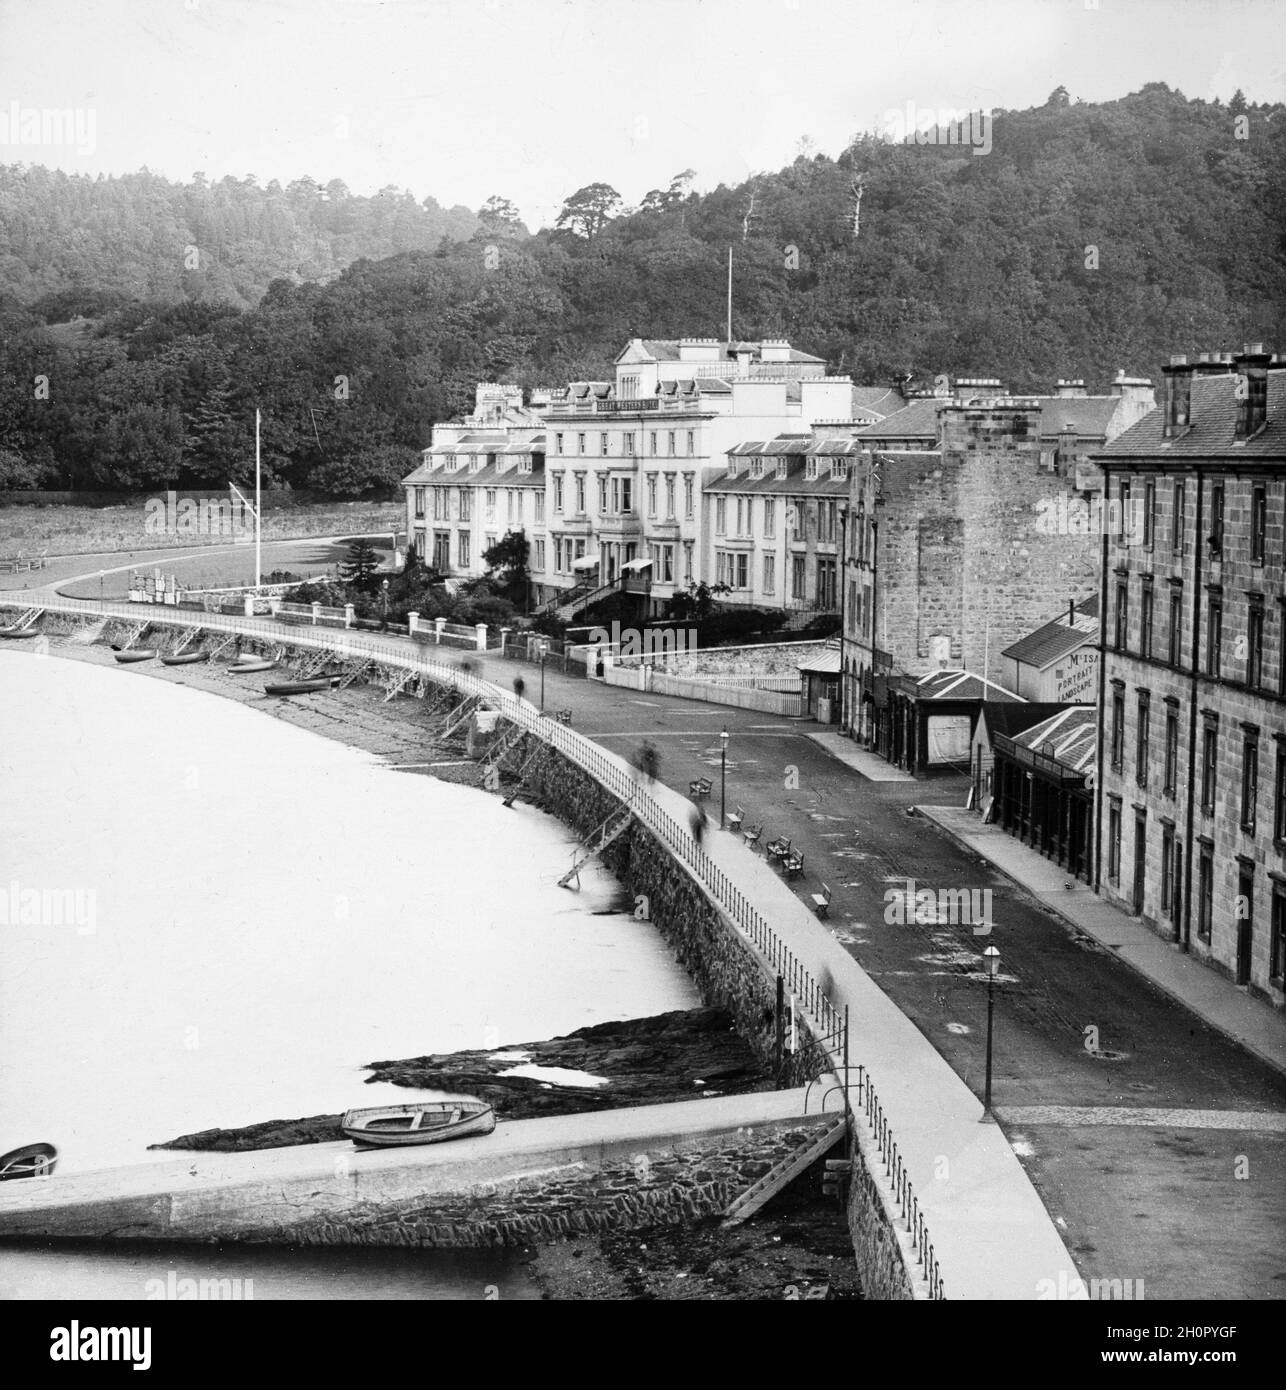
<point x="610" y="478"/>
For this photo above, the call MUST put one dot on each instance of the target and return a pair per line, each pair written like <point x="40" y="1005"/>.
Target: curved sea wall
<point x="736" y="958"/>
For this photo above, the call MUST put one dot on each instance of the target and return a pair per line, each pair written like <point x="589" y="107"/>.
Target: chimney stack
<point x="1251" y="366"/>
<point x="1178" y="395"/>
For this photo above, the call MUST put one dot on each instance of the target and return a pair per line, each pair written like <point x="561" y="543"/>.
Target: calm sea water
<point x="249" y="914"/>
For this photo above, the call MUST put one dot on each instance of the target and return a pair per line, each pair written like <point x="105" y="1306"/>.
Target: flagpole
<point x="730" y="294"/>
<point x="258" y="509"/>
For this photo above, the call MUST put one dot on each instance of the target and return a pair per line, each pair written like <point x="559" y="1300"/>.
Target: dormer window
<point x="810" y="470"/>
<point x="839" y="470"/>
<point x="732" y="467"/>
<point x="782" y="467"/>
<point x="450" y="463"/>
<point x="524" y="463"/>
<point x="757" y="468"/>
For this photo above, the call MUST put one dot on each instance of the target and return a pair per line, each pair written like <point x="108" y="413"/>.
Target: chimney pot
<point x="1178" y="359"/>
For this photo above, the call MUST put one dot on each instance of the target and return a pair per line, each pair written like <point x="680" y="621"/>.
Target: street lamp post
<point x="992" y="958"/>
<point x="384" y="606"/>
<point x="544" y="648"/>
<point x="723" y="778"/>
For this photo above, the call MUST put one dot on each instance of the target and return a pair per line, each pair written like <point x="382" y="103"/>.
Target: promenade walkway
<point x="991" y="1235"/>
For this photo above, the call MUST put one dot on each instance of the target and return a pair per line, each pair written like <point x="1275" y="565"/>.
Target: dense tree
<point x="587" y="211"/>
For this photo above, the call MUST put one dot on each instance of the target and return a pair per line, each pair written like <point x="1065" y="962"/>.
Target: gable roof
<point x="1010" y="718"/>
<point x="917" y="420"/>
<point x="1058" y="638"/>
<point x="962" y="685"/>
<point x="1069" y="737"/>
<point x="1212" y="432"/>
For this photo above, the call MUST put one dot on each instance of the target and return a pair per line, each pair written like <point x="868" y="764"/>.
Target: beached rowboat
<point x="423" y="1122"/>
<point x="248" y="667"/>
<point x="17" y="634"/>
<point x="30" y="1161"/>
<point x="301" y="687"/>
<point x="139" y="654"/>
<point x="184" y="659"/>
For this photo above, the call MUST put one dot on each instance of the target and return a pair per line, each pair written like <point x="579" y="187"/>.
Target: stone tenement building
<point x="979" y="518"/>
<point x="1190" y="811"/>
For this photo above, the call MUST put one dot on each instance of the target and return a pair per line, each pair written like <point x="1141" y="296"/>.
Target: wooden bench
<point x="792" y="864"/>
<point x="699" y="786"/>
<point x="822" y="901"/>
<point x="752" y="834"/>
<point x="564" y="716"/>
<point x="734" y="820"/>
<point x="778" y="848"/>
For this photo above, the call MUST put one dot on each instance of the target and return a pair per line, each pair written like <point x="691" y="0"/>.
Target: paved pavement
<point x="1255" y="1025"/>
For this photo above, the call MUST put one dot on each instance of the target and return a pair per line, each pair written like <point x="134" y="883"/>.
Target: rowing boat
<point x="301" y="687"/>
<point x="139" y="654"/>
<point x="14" y="634"/>
<point x="30" y="1161"/>
<point x="422" y="1122"/>
<point x="246" y="668"/>
<point x="184" y="659"/>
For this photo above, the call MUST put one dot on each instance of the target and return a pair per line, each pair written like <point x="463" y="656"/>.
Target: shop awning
<point x="586" y="562"/>
<point x="634" y="565"/>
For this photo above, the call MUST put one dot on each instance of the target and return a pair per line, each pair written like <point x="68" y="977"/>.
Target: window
<point x="1114" y="840"/>
<point x="602" y="493"/>
<point x="1209" y="766"/>
<point x="665" y="558"/>
<point x="770" y="574"/>
<point x="721" y="516"/>
<point x="1145" y="619"/>
<point x="826" y="513"/>
<point x="1214" y="633"/>
<point x="651" y="443"/>
<point x="538" y="557"/>
<point x="1258" y="522"/>
<point x="1277" y="953"/>
<point x="741" y="568"/>
<point x="1177" y="521"/>
<point x="466" y="504"/>
<point x="558" y="444"/>
<point x="602" y="444"/>
<point x="1216" y="519"/>
<point x="1249" y="781"/>
<point x="558" y="492"/>
<point x="1118" y="729"/>
<point x="627" y="440"/>
<point x="1205" y="892"/>
<point x="419" y="503"/>
<point x="770" y="517"/>
<point x="795" y="517"/>
<point x="692" y="443"/>
<point x="673" y="450"/>
<point x="1255" y="644"/>
<point x="1120" y="630"/>
<point x="1149" y="512"/>
<point x="1171" y="749"/>
<point x="511" y="503"/>
<point x="651" y="494"/>
<point x="1123" y="521"/>
<point x="1279" y="795"/>
<point x="580" y="444"/>
<point x="688" y="496"/>
<point x="669" y="496"/>
<point x="462" y="549"/>
<point x="489" y="503"/>
<point x="1142" y="736"/>
<point x="488" y="541"/>
<point x="629" y="387"/>
<point x="580" y="493"/>
<point x="1176" y="626"/>
<point x="627" y="495"/>
<point x="744" y="514"/>
<point x="540" y="507"/>
<point x="797" y="576"/>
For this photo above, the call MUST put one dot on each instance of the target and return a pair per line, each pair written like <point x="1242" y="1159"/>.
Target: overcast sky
<point x="531" y="99"/>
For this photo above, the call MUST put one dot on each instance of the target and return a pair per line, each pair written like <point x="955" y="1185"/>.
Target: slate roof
<point x="1211" y="434"/>
<point x="1087" y="415"/>
<point x="1009" y="718"/>
<point x="1070" y="737"/>
<point x="918" y="419"/>
<point x="827" y="663"/>
<point x="667" y="350"/>
<point x="962" y="685"/>
<point x="879" y="400"/>
<point x="1056" y="639"/>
